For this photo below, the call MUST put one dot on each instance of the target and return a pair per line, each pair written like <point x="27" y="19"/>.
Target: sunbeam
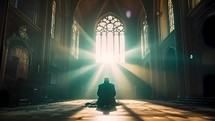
<point x="86" y="54"/>
<point x="123" y="85"/>
<point x="138" y="71"/>
<point x="81" y="71"/>
<point x="132" y="52"/>
<point x="93" y="81"/>
<point x="86" y="35"/>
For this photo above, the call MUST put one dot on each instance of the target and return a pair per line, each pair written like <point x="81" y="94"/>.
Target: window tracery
<point x="110" y="40"/>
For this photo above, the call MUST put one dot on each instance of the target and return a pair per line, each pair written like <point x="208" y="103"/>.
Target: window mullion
<point x="111" y="40"/>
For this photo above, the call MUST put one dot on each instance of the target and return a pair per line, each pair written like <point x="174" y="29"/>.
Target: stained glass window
<point x="110" y="40"/>
<point x="53" y="18"/>
<point x="75" y="40"/>
<point x="144" y="40"/>
<point x="171" y="16"/>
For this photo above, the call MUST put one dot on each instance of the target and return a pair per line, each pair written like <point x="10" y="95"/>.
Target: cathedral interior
<point x="55" y="50"/>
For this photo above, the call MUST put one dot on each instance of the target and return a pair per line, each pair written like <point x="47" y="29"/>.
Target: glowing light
<point x="191" y="56"/>
<point x="122" y="82"/>
<point x="87" y="55"/>
<point x="109" y="51"/>
<point x="110" y="41"/>
<point x="94" y="82"/>
<point x="128" y="14"/>
<point x="108" y="118"/>
<point x="126" y="89"/>
<point x="81" y="71"/>
<point x="137" y="70"/>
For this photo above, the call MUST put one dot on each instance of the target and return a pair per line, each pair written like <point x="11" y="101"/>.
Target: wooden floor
<point x="127" y="110"/>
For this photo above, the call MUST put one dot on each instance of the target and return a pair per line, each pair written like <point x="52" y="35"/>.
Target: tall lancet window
<point x="53" y="19"/>
<point x="75" y="40"/>
<point x="144" y="40"/>
<point x="110" y="40"/>
<point x="171" y="16"/>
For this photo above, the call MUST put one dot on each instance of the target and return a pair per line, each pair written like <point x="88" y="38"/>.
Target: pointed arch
<point x="110" y="39"/>
<point x="111" y="14"/>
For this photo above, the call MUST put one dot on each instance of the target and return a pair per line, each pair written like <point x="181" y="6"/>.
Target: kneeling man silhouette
<point x="106" y="96"/>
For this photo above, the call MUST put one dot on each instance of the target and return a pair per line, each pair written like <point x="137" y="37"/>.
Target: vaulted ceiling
<point x="87" y="7"/>
<point x="89" y="11"/>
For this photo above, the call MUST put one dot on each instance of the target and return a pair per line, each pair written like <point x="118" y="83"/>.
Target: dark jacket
<point x="106" y="93"/>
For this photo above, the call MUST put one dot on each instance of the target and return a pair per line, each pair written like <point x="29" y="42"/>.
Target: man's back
<point x="106" y="90"/>
<point x="106" y="93"/>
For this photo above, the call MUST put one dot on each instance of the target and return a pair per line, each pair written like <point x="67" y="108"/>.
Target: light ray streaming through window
<point x="110" y="41"/>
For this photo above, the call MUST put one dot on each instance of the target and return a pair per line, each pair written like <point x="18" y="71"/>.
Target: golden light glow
<point x="110" y="41"/>
<point x="110" y="57"/>
<point x="137" y="70"/>
<point x="81" y="71"/>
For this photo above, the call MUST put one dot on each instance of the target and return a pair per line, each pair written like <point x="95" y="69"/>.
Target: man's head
<point x="106" y="80"/>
